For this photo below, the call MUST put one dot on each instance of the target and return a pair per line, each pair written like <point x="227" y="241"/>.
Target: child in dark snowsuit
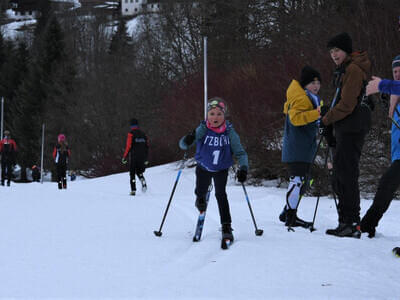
<point x="216" y="142"/>
<point x="138" y="147"/>
<point x="8" y="150"/>
<point x="61" y="154"/>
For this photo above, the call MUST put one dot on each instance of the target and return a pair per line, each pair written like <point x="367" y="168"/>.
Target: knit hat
<point x="396" y="62"/>
<point x="217" y="102"/>
<point x="6" y="132"/>
<point x="61" y="138"/>
<point x="308" y="75"/>
<point x="134" y="122"/>
<point x="341" y="41"/>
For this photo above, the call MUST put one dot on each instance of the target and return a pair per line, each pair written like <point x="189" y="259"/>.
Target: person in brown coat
<point x="351" y="119"/>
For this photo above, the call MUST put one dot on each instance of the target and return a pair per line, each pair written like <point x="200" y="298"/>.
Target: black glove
<point x="324" y="109"/>
<point x="322" y="128"/>
<point x="330" y="138"/>
<point x="241" y="175"/>
<point x="189" y="139"/>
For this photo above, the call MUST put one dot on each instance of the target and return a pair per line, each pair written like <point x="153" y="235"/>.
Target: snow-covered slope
<point x="94" y="240"/>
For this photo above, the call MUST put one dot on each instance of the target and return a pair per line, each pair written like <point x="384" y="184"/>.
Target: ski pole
<point x="319" y="194"/>
<point x="331" y="176"/>
<point x="159" y="233"/>
<point x="258" y="232"/>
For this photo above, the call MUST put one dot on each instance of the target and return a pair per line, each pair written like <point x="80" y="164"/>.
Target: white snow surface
<point x="94" y="240"/>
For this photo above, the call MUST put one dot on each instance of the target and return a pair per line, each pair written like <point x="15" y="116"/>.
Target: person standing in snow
<point x="216" y="141"/>
<point x="61" y="155"/>
<point x="351" y="120"/>
<point x="8" y="151"/>
<point x="302" y="110"/>
<point x="137" y="145"/>
<point x="35" y="173"/>
<point x="390" y="180"/>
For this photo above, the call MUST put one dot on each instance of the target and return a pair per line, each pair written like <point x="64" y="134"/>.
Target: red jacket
<point x="8" y="148"/>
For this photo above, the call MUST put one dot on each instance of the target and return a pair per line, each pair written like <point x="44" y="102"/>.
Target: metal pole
<point x="205" y="78"/>
<point x="41" y="158"/>
<point x="2" y="118"/>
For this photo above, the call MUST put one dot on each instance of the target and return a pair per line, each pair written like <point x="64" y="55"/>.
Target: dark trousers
<point x="61" y="172"/>
<point x="203" y="180"/>
<point x="6" y="171"/>
<point x="135" y="168"/>
<point x="388" y="185"/>
<point x="346" y="172"/>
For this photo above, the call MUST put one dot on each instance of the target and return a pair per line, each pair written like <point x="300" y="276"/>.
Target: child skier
<point x="138" y="146"/>
<point x="303" y="110"/>
<point x="216" y="141"/>
<point x="61" y="154"/>
<point x="8" y="150"/>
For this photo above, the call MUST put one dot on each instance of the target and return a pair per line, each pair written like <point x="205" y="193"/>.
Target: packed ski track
<point x="94" y="240"/>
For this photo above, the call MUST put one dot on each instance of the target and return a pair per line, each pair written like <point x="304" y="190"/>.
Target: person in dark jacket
<point x="216" y="142"/>
<point x="351" y="121"/>
<point x="390" y="180"/>
<point x="8" y="151"/>
<point x="302" y="109"/>
<point x="137" y="145"/>
<point x="61" y="155"/>
<point x="35" y="173"/>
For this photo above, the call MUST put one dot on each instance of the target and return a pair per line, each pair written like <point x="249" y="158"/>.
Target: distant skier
<point x="35" y="173"/>
<point x="303" y="110"/>
<point x="8" y="151"/>
<point x="61" y="155"/>
<point x="137" y="145"/>
<point x="216" y="140"/>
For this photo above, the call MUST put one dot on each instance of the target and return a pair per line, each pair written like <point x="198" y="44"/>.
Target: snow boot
<point x="368" y="229"/>
<point x="132" y="193"/>
<point x="144" y="185"/>
<point x="2" y="182"/>
<point x="346" y="230"/>
<point x="8" y="183"/>
<point x="64" y="183"/>
<point x="201" y="204"/>
<point x="227" y="232"/>
<point x="297" y="222"/>
<point x="60" y="185"/>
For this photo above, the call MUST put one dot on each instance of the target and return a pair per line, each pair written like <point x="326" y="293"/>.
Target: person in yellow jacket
<point x="303" y="111"/>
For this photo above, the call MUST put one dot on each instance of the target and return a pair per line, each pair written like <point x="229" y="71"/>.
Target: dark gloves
<point x="241" y="175"/>
<point x="189" y="139"/>
<point x="330" y="138"/>
<point x="124" y="161"/>
<point x="324" y="109"/>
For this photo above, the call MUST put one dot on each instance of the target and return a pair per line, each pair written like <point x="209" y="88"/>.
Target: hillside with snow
<point x="94" y="240"/>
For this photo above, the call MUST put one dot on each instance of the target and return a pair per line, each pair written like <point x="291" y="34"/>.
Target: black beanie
<point x="134" y="122"/>
<point x="308" y="75"/>
<point x="341" y="41"/>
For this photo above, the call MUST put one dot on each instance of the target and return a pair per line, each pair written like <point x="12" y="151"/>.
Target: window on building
<point x="126" y="10"/>
<point x="135" y="9"/>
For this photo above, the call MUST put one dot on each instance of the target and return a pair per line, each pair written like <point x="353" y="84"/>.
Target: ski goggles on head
<point x="215" y="104"/>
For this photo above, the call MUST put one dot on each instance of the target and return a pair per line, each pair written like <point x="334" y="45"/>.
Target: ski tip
<point x="157" y="233"/>
<point x="396" y="251"/>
